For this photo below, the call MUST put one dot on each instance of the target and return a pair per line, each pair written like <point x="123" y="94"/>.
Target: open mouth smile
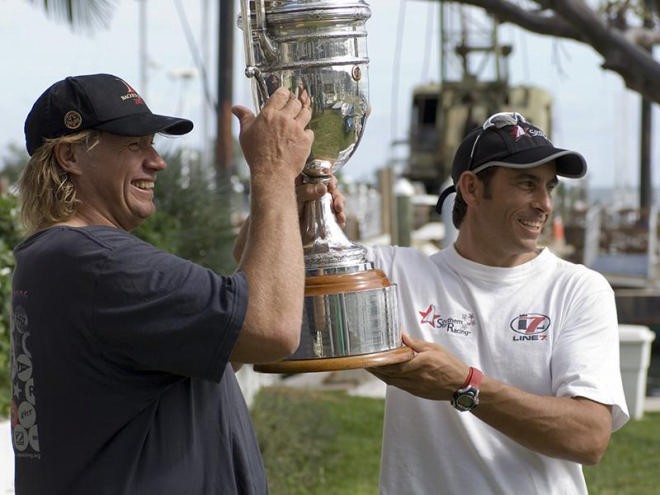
<point x="536" y="225"/>
<point x="144" y="185"/>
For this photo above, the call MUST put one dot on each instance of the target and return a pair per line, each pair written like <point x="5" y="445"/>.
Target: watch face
<point x="465" y="401"/>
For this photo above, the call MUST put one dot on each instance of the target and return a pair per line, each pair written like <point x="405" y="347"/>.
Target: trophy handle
<point x="266" y="46"/>
<point x="262" y="90"/>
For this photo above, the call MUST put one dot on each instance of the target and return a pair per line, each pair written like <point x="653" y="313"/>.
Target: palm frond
<point x="85" y="15"/>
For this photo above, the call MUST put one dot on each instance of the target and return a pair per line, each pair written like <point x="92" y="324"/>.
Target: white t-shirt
<point x="547" y="326"/>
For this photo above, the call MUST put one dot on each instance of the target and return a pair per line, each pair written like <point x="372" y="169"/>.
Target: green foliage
<point x="9" y="236"/>
<point x="193" y="217"/>
<point x="13" y="159"/>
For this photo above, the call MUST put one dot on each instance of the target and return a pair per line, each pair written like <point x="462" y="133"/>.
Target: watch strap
<point x="474" y="377"/>
<point x="466" y="398"/>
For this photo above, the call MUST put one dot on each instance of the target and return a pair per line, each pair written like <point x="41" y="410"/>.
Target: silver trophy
<point x="350" y="313"/>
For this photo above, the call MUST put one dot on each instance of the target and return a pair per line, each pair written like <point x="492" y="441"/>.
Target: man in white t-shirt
<point x="515" y="382"/>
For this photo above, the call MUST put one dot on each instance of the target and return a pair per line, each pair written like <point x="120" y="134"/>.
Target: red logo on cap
<point x="517" y="132"/>
<point x="72" y="120"/>
<point x="132" y="94"/>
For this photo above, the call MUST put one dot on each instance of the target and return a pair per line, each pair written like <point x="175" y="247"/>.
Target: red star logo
<point x="429" y="316"/>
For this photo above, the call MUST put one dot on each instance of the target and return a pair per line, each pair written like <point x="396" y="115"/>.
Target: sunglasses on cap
<point x="497" y="120"/>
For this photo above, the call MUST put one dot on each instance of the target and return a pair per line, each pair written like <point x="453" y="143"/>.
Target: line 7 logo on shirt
<point x="530" y="326"/>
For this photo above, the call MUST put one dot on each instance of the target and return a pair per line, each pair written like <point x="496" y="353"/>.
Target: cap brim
<point x="569" y="163"/>
<point x="145" y="124"/>
<point x="444" y="195"/>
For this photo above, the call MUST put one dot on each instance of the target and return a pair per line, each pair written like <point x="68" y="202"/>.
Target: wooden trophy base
<point x="393" y="356"/>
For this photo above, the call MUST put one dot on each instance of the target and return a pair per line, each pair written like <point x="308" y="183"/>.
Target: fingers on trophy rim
<point x="294" y="99"/>
<point x="284" y="98"/>
<point x="305" y="112"/>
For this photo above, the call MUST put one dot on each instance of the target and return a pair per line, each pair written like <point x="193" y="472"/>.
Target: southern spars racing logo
<point x="530" y="326"/>
<point x="461" y="325"/>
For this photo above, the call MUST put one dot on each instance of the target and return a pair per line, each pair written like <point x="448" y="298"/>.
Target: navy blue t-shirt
<point x="120" y="376"/>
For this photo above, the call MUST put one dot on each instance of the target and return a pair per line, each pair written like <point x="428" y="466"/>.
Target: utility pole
<point x="646" y="124"/>
<point x="144" y="55"/>
<point x="224" y="143"/>
<point x="645" y="175"/>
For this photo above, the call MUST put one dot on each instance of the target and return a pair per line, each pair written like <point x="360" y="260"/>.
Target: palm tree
<point x="79" y="14"/>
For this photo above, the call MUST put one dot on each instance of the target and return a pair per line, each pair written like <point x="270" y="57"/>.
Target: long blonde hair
<point x="46" y="194"/>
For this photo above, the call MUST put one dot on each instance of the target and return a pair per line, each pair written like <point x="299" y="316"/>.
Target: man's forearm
<point x="576" y="429"/>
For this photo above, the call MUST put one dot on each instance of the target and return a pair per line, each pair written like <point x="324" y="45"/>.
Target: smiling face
<point x="505" y="220"/>
<point x="114" y="181"/>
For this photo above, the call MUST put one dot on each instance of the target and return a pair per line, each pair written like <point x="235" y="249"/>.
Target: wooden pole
<point x="224" y="142"/>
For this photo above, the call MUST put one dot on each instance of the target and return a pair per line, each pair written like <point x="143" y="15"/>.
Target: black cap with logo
<point x="96" y="101"/>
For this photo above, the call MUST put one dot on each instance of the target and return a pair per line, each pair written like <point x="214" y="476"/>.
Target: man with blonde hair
<point x="121" y="374"/>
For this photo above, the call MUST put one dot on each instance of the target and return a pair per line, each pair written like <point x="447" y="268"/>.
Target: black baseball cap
<point x="506" y="139"/>
<point x="95" y="101"/>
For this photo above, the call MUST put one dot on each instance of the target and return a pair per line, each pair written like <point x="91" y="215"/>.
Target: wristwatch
<point x="466" y="398"/>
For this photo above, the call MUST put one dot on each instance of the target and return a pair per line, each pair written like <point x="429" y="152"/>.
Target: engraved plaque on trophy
<point x="350" y="315"/>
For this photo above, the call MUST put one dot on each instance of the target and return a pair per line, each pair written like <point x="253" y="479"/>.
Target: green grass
<point x="632" y="462"/>
<point x="320" y="442"/>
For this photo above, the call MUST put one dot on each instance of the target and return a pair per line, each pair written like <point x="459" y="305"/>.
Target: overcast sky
<point x="592" y="111"/>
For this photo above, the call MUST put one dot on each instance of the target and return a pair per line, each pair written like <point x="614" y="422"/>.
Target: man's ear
<point x="67" y="158"/>
<point x="470" y="186"/>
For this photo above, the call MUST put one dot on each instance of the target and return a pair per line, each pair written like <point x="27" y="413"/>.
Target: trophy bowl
<point x="350" y="317"/>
